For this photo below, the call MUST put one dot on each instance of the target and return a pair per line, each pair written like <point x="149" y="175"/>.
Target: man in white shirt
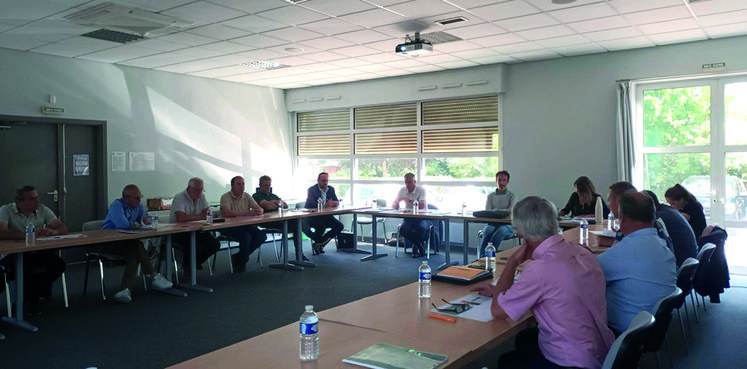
<point x="190" y="205"/>
<point x="412" y="229"/>
<point x="236" y="203"/>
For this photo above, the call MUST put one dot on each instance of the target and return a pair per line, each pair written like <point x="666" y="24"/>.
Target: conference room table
<point x="102" y="237"/>
<point x="436" y="215"/>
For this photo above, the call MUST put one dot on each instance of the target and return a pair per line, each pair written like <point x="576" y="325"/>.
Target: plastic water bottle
<point x="598" y="216"/>
<point x="280" y="209"/>
<point x="415" y="206"/>
<point x="583" y="232"/>
<point x="308" y="344"/>
<point x="30" y="234"/>
<point x="611" y="222"/>
<point x="464" y="209"/>
<point x="209" y="216"/>
<point x="490" y="257"/>
<point x="154" y="221"/>
<point x="319" y="204"/>
<point x="424" y="281"/>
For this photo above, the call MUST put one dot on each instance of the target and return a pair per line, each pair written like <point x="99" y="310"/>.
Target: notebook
<point x="385" y="356"/>
<point x="462" y="275"/>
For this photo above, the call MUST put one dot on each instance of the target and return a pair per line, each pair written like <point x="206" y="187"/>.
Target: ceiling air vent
<point x="446" y="22"/>
<point x="264" y="65"/>
<point x="127" y="19"/>
<point x="114" y="36"/>
<point x="439" y="37"/>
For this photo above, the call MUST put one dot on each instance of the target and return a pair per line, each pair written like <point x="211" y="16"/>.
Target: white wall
<point x="195" y="126"/>
<point x="558" y="115"/>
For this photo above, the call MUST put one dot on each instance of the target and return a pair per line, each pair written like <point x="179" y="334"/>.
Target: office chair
<point x="700" y="278"/>
<point x="625" y="352"/>
<point x="663" y="311"/>
<point x="685" y="283"/>
<point x="368" y="220"/>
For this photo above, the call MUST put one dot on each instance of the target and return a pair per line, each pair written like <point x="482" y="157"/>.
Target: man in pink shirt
<point x="562" y="285"/>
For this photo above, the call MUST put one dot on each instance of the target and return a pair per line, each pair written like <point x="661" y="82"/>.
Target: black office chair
<point x="625" y="352"/>
<point x="100" y="256"/>
<point x="663" y="311"/>
<point x="701" y="274"/>
<point x="685" y="283"/>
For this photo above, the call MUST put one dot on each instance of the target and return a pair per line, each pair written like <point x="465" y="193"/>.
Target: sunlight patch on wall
<point x="174" y="121"/>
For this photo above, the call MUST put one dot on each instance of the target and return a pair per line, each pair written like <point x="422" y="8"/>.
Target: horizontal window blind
<point x="387" y="116"/>
<point x="386" y="143"/>
<point x="471" y="110"/>
<point x="324" y="145"/>
<point x="460" y="140"/>
<point x="329" y="120"/>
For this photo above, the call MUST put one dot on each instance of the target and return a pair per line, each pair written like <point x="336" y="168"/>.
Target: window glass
<point x="366" y="193"/>
<point x="677" y="116"/>
<point x="665" y="170"/>
<point x="452" y="198"/>
<point x="735" y="101"/>
<point x="309" y="169"/>
<point x="471" y="169"/>
<point x="386" y="169"/>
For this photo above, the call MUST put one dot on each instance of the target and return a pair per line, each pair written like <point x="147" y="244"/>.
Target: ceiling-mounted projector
<point x="414" y="47"/>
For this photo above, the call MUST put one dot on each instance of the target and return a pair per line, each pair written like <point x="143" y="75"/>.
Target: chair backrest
<point x="663" y="311"/>
<point x="706" y="250"/>
<point x="626" y="350"/>
<point x="92" y="225"/>
<point x="685" y="275"/>
<point x="381" y="203"/>
<point x="700" y="278"/>
<point x="257" y="189"/>
<point x="300" y="205"/>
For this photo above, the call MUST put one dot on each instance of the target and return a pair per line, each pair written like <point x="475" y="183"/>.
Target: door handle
<point x="56" y="195"/>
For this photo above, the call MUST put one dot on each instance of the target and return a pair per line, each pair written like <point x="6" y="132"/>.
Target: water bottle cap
<point x="425" y="262"/>
<point x="309" y="307"/>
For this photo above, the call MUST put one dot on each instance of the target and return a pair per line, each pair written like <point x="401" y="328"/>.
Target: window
<point x="451" y="145"/>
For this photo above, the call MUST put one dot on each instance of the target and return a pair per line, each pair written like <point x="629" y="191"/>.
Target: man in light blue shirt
<point x="128" y="212"/>
<point x="640" y="269"/>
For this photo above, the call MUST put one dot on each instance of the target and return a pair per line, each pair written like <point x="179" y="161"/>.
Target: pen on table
<point x="441" y="317"/>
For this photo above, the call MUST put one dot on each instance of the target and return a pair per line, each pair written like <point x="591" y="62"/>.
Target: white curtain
<point x="625" y="149"/>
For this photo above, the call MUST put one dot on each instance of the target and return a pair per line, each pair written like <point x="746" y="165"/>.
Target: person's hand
<point x="46" y="232"/>
<point x="521" y="254"/>
<point x="485" y="289"/>
<point x="258" y="210"/>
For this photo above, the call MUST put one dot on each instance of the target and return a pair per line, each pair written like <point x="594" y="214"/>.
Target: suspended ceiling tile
<point x="506" y="38"/>
<point x="527" y="22"/>
<point x="349" y="63"/>
<point x="422" y="8"/>
<point x="259" y="41"/>
<point x="251" y="6"/>
<point x="254" y="24"/>
<point x="663" y="27"/>
<point x="678" y="37"/>
<point x="438" y="58"/>
<point x="723" y="19"/>
<point x="736" y="29"/>
<point x="536" y="55"/>
<point x="546" y="32"/>
<point x="117" y="54"/>
<point x="331" y="26"/>
<point x="326" y="43"/>
<point x="519" y="47"/>
<point x="293" y="15"/>
<point x="75" y="46"/>
<point x="353" y="51"/>
<point x="219" y="31"/>
<point x="338" y="7"/>
<point x="498" y="58"/>
<point x="372" y="18"/>
<point x="581" y="49"/>
<point x="477" y="53"/>
<point x="627" y="43"/>
<point x="467" y="4"/>
<point x="227" y="47"/>
<point x="382" y="57"/>
<point x="293" y="34"/>
<point x="475" y="31"/>
<point x="458" y="64"/>
<point x="323" y="56"/>
<point x="203" y="12"/>
<point x="160" y="45"/>
<point x="506" y="10"/>
<point x="723" y="7"/>
<point x="631" y="6"/>
<point x="186" y="39"/>
<point x="563" y="41"/>
<point x="363" y="36"/>
<point x="455" y="46"/>
<point x="613" y="34"/>
<point x="585" y="12"/>
<point x="547" y="5"/>
<point x="659" y="15"/>
<point x="599" y="24"/>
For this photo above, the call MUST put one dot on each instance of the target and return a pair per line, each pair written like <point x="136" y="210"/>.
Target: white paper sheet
<point x="479" y="312"/>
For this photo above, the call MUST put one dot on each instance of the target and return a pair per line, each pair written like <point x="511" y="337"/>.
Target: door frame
<point x="100" y="148"/>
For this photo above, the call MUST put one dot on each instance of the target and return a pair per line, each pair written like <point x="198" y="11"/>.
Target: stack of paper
<point x="385" y="356"/>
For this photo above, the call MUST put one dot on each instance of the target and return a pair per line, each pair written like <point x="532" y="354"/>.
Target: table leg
<point x="298" y="243"/>
<point x="373" y="255"/>
<point x="170" y="270"/>
<point x="193" y="267"/>
<point x="285" y="265"/>
<point x="18" y="320"/>
<point x="447" y="242"/>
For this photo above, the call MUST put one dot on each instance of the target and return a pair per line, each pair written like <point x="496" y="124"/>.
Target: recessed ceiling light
<point x="263" y="64"/>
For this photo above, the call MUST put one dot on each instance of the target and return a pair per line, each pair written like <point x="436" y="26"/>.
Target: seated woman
<point x="684" y="201"/>
<point x="583" y="200"/>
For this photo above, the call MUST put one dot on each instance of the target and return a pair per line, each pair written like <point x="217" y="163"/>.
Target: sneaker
<point x="123" y="296"/>
<point x="161" y="283"/>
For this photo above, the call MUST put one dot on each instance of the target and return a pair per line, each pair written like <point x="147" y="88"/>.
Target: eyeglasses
<point x="453" y="308"/>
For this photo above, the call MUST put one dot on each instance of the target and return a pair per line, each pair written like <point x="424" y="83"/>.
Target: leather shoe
<point x="238" y="265"/>
<point x="304" y="258"/>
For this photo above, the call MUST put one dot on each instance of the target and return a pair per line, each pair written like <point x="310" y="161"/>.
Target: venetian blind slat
<point x="329" y="120"/>
<point x="460" y="140"/>
<point x="324" y="145"/>
<point x="387" y="116"/>
<point x="386" y="143"/>
<point x="470" y="110"/>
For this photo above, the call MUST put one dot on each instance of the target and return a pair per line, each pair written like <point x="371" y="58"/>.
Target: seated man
<point x="414" y="230"/>
<point x="322" y="190"/>
<point x="236" y="203"/>
<point x="126" y="213"/>
<point x="501" y="199"/>
<point x="640" y="269"/>
<point x="684" y="243"/>
<point x="190" y="205"/>
<point x="560" y="280"/>
<point x="271" y="202"/>
<point x="40" y="268"/>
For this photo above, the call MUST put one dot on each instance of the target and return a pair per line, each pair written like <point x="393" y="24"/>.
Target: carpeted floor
<point x="157" y="330"/>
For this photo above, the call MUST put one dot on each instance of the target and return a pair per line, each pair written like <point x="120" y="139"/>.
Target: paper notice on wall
<point x="119" y="161"/>
<point x="142" y="162"/>
<point x="81" y="165"/>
